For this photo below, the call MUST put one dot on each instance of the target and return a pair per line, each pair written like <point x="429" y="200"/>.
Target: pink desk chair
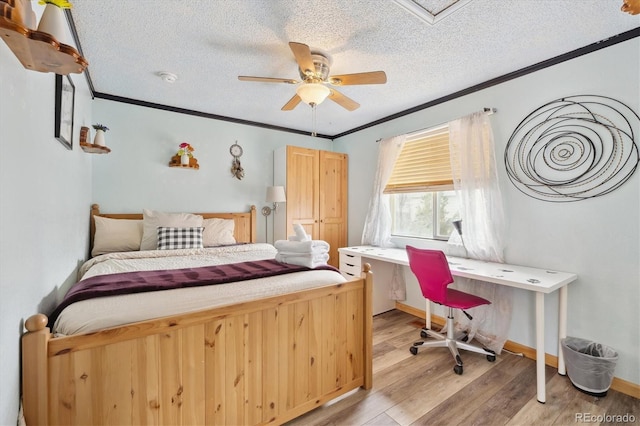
<point x="432" y="271"/>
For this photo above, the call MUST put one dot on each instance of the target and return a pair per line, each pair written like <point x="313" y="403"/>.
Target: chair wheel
<point x="413" y="350"/>
<point x="490" y="358"/>
<point x="457" y="369"/>
<point x="423" y="334"/>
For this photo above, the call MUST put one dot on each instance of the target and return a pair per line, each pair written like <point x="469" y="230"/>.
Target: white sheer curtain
<point x="377" y="225"/>
<point x="483" y="225"/>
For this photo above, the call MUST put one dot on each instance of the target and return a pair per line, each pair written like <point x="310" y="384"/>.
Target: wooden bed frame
<point x="263" y="361"/>
<point x="244" y="232"/>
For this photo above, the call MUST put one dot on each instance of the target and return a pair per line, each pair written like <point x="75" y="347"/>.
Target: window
<point x="422" y="200"/>
<point x="424" y="214"/>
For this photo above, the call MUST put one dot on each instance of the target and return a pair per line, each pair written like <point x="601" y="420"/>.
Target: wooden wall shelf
<point x="94" y="149"/>
<point x="175" y="162"/>
<point x="36" y="50"/>
<point x="196" y="167"/>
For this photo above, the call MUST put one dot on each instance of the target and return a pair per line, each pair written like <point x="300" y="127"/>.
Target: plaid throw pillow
<point x="179" y="238"/>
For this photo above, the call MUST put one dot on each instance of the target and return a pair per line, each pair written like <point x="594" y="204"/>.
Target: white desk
<point x="540" y="281"/>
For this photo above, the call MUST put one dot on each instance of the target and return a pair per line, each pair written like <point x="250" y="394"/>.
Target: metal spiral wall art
<point x="573" y="148"/>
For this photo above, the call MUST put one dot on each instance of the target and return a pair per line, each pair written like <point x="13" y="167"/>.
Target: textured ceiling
<point x="208" y="43"/>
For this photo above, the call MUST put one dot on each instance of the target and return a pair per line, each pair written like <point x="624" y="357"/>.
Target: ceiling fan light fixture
<point x="313" y="93"/>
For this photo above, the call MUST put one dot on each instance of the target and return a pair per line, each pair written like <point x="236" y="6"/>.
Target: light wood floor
<point x="423" y="389"/>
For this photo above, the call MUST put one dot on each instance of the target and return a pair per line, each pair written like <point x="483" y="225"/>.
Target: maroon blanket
<point x="142" y="281"/>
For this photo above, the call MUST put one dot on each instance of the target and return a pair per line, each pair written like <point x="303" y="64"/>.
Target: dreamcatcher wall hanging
<point x="573" y="148"/>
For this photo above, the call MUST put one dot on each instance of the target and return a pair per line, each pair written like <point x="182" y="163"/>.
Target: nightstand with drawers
<point x="350" y="265"/>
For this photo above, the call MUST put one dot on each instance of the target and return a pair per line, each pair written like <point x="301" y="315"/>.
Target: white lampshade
<point x="313" y="93"/>
<point x="275" y="194"/>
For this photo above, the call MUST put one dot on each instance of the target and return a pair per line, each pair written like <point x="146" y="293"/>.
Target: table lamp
<point x="458" y="225"/>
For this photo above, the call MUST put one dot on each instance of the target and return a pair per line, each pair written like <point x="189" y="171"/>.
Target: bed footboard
<point x="265" y="361"/>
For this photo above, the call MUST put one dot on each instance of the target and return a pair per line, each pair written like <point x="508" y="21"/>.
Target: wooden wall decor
<point x="36" y="50"/>
<point x="631" y="6"/>
<point x="573" y="149"/>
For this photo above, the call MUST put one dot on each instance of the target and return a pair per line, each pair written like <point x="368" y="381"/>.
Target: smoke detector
<point x="168" y="77"/>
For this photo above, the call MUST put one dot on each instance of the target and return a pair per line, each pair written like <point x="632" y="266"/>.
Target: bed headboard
<point x="244" y="232"/>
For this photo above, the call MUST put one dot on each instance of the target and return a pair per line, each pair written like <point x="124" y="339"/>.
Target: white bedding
<point x="95" y="314"/>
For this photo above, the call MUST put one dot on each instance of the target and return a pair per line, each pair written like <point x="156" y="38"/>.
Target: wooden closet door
<point x="333" y="202"/>
<point x="303" y="190"/>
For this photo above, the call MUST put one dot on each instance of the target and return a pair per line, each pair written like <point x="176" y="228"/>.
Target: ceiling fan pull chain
<point x="313" y="120"/>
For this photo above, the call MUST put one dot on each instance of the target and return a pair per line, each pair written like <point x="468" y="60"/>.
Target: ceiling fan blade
<point x="267" y="79"/>
<point x="373" y="77"/>
<point x="303" y="56"/>
<point x="293" y="102"/>
<point x="343" y="101"/>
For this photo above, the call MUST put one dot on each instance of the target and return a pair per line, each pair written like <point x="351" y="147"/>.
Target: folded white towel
<point x="295" y="238"/>
<point x="322" y="257"/>
<point x="312" y="246"/>
<point x="313" y="253"/>
<point x="308" y="260"/>
<point x="301" y="233"/>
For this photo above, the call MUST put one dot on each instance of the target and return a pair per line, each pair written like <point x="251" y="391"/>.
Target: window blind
<point x="424" y="163"/>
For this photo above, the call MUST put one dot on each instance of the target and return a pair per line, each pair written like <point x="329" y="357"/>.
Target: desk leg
<point x="540" y="353"/>
<point x="562" y="327"/>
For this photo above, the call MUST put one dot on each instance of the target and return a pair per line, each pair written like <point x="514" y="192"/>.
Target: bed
<point x="265" y="359"/>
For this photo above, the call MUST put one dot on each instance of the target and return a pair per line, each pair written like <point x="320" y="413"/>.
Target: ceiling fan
<point x="314" y="86"/>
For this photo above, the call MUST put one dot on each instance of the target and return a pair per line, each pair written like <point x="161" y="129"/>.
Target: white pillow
<point x="113" y="235"/>
<point x="218" y="232"/>
<point x="153" y="219"/>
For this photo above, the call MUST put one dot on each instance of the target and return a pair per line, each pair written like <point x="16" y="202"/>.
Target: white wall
<point x="45" y="195"/>
<point x="136" y="175"/>
<point x="598" y="238"/>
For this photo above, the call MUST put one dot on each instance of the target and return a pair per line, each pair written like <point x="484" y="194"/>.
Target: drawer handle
<point x="350" y="264"/>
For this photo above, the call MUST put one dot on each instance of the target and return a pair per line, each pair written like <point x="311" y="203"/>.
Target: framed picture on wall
<point x="65" y="94"/>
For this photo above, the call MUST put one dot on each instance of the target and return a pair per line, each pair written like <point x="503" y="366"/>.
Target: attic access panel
<point x="432" y="11"/>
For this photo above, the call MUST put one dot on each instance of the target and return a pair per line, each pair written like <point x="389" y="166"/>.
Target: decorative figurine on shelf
<point x="184" y="157"/>
<point x="53" y="21"/>
<point x="185" y="153"/>
<point x="62" y="4"/>
<point x="236" y="169"/>
<point x="99" y="137"/>
<point x="84" y="135"/>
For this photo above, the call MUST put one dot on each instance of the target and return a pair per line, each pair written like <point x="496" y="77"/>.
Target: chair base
<point x="449" y="341"/>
